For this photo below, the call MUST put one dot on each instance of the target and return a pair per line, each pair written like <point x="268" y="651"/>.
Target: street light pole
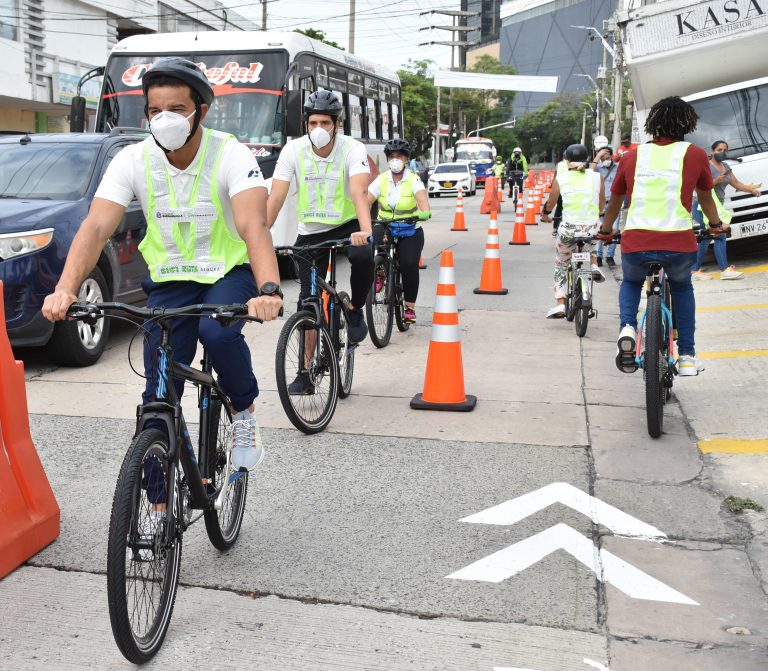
<point x="351" y="26"/>
<point x="496" y="125"/>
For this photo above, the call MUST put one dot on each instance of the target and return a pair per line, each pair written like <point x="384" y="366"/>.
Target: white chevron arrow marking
<point x="517" y="509"/>
<point x="607" y="567"/>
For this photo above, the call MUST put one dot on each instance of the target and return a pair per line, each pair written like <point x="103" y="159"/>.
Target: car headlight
<point x="26" y="242"/>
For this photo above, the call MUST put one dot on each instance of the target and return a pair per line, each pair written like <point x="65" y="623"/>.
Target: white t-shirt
<point x="394" y="189"/>
<point x="125" y="177"/>
<point x="288" y="170"/>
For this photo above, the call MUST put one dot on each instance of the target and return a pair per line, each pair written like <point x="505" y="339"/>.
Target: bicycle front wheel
<point x="580" y="311"/>
<point x="144" y="548"/>
<point x="399" y="304"/>
<point x="379" y="306"/>
<point x="654" y="367"/>
<point x="307" y="373"/>
<point x="345" y="350"/>
<point x="222" y="526"/>
<point x="570" y="312"/>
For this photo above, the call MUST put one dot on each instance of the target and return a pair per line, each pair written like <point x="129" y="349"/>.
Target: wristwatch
<point x="270" y="289"/>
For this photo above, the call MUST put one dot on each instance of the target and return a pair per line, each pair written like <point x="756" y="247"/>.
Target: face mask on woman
<point x="607" y="163"/>
<point x="170" y="130"/>
<point x="396" y="165"/>
<point x="720" y="156"/>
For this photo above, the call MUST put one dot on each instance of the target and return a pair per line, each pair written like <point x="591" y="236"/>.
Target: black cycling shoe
<point x="301" y="386"/>
<point x="356" y="327"/>
<point x="611" y="263"/>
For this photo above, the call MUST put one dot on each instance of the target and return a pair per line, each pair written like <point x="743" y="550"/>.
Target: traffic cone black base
<point x="501" y="292"/>
<point x="417" y="403"/>
<point x="519" y="243"/>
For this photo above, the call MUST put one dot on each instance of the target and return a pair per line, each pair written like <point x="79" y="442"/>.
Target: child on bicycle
<point x="583" y="199"/>
<point x="401" y="195"/>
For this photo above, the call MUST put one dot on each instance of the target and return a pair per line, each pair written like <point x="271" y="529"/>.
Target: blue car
<point x="47" y="182"/>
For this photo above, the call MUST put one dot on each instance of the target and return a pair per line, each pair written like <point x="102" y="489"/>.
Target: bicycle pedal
<point x="593" y="314"/>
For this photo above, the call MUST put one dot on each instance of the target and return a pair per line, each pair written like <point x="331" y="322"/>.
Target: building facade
<point x="47" y="45"/>
<point x="537" y="37"/>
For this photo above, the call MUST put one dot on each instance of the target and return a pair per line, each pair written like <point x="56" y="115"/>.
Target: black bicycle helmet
<point x="576" y="153"/>
<point x="323" y="102"/>
<point x="183" y="70"/>
<point x="397" y="145"/>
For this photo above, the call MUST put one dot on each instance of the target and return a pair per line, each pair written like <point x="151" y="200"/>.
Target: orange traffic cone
<point x="30" y="514"/>
<point x="500" y="192"/>
<point x="518" y="234"/>
<point x="490" y="278"/>
<point x="490" y="199"/>
<point x="530" y="210"/>
<point x="458" y="219"/>
<point x="444" y="378"/>
<point x="422" y="265"/>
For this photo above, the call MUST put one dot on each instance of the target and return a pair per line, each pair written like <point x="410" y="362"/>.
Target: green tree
<point x="545" y="133"/>
<point x="317" y="35"/>
<point x="419" y="99"/>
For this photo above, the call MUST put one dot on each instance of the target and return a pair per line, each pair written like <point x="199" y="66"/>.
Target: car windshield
<point x="46" y="170"/>
<point x="453" y="168"/>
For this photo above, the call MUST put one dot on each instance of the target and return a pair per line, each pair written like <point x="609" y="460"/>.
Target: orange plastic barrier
<point x="490" y="199"/>
<point x="490" y="278"/>
<point x="458" y="219"/>
<point x="518" y="234"/>
<point x="29" y="518"/>
<point x="444" y="378"/>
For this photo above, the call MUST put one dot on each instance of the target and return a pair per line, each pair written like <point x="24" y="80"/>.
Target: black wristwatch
<point x="270" y="289"/>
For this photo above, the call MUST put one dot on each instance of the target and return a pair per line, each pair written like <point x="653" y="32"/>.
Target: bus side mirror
<point x="77" y="115"/>
<point x="293" y="114"/>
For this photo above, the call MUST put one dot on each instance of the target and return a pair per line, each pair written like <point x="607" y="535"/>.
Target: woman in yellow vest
<point x="401" y="195"/>
<point x="583" y="199"/>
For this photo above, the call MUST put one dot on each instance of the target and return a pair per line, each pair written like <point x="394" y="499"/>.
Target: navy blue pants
<point x="226" y="346"/>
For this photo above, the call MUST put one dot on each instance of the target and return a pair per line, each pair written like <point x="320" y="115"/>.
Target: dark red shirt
<point x="696" y="175"/>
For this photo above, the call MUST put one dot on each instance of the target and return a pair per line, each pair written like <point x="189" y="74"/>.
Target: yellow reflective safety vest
<point x="656" y="204"/>
<point x="580" y="190"/>
<point x="725" y="214"/>
<point x="321" y="185"/>
<point x="406" y="203"/>
<point x="189" y="241"/>
<point x="498" y="169"/>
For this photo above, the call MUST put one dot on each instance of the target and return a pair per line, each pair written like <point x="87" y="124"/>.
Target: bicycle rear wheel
<point x="379" y="306"/>
<point x="222" y="526"/>
<point x="570" y="312"/>
<point x="346" y="351"/>
<point x="580" y="311"/>
<point x="143" y="549"/>
<point x="306" y="361"/>
<point x="654" y="367"/>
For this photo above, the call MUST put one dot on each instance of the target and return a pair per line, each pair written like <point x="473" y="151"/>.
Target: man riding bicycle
<point x="207" y="241"/>
<point x="517" y="171"/>
<point x="331" y="173"/>
<point x="401" y="195"/>
<point x="659" y="179"/>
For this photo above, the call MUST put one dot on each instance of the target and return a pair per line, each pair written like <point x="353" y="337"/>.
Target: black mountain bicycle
<point x="155" y="500"/>
<point x="384" y="303"/>
<point x="314" y="361"/>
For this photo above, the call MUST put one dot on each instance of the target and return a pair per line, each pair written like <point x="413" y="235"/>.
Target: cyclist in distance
<point x="659" y="178"/>
<point x="331" y="174"/>
<point x="401" y="195"/>
<point x="517" y="171"/>
<point x="583" y="199"/>
<point x="207" y="241"/>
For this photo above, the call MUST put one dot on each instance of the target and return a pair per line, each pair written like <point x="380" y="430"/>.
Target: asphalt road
<point x="360" y="550"/>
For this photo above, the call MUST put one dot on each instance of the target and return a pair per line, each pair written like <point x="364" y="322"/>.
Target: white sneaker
<point x="597" y="274"/>
<point x="700" y="275"/>
<point x="731" y="273"/>
<point x="625" y="349"/>
<point x="247" y="449"/>
<point x="689" y="366"/>
<point x="556" y="312"/>
<point x="149" y="528"/>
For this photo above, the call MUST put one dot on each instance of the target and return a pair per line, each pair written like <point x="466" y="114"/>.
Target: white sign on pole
<point x="482" y="80"/>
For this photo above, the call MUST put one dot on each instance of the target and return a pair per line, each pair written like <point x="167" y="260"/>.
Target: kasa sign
<point x="231" y="72"/>
<point x="716" y="17"/>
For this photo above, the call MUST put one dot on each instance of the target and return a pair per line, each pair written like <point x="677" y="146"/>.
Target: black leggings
<point x="408" y="253"/>
<point x="360" y="258"/>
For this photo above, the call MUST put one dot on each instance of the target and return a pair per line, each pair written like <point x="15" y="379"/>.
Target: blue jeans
<point x="719" y="242"/>
<point x="678" y="266"/>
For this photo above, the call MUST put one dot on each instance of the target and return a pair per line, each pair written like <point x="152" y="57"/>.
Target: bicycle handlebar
<point x="225" y="314"/>
<point x="328" y="244"/>
<point x="402" y="220"/>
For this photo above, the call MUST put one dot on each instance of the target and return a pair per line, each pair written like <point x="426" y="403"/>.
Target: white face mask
<point x="319" y="137"/>
<point x="396" y="165"/>
<point x="170" y="130"/>
<point x="607" y="163"/>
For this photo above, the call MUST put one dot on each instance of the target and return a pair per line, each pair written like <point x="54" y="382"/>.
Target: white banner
<point x="481" y="80"/>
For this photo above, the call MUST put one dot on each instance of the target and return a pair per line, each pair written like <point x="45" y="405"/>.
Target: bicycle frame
<point x="656" y="284"/>
<point x="582" y="276"/>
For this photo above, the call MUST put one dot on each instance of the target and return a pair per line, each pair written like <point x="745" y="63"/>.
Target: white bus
<point x="261" y="80"/>
<point x="738" y="114"/>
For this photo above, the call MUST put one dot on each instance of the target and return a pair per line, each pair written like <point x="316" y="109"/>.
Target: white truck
<point x="714" y="54"/>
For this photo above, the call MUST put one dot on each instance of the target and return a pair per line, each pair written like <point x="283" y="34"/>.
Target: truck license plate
<point x="755" y="228"/>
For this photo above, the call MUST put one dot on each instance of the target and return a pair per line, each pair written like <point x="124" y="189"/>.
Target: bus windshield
<point x="740" y="118"/>
<point x="474" y="152"/>
<point x="247" y="87"/>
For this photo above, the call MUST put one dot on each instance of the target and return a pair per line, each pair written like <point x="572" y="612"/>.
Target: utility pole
<point x="618" y="82"/>
<point x="263" y="14"/>
<point x="351" y="26"/>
